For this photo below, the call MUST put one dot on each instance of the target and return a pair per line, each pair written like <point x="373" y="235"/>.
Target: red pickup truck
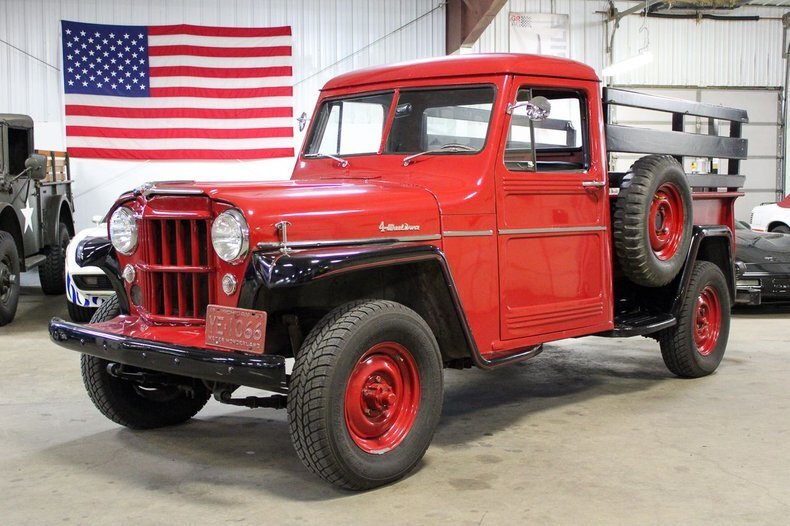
<point x="448" y="213"/>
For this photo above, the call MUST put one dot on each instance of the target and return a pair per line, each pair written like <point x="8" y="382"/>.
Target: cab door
<point x="552" y="218"/>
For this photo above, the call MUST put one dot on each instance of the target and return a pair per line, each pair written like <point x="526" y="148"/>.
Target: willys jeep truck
<point x="449" y="213"/>
<point x="36" y="214"/>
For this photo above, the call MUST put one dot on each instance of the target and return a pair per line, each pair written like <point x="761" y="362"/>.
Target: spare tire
<point x="653" y="220"/>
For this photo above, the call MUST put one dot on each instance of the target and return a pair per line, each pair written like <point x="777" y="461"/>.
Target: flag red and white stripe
<point x="212" y="92"/>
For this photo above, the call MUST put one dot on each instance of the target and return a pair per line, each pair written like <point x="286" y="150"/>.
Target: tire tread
<point x="307" y="425"/>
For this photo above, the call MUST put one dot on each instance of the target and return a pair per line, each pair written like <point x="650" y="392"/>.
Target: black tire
<point x="9" y="278"/>
<point x="688" y="348"/>
<point x="317" y="404"/>
<point x="781" y="229"/>
<point x="52" y="272"/>
<point x="80" y="314"/>
<point x="652" y="249"/>
<point x="130" y="404"/>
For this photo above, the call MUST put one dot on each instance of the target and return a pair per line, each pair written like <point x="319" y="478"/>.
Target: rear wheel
<point x="9" y="278"/>
<point x="695" y="346"/>
<point x="52" y="272"/>
<point x="133" y="404"/>
<point x="653" y="221"/>
<point x="366" y="394"/>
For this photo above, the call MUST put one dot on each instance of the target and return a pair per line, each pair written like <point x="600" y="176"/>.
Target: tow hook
<point x="274" y="401"/>
<point x="142" y="377"/>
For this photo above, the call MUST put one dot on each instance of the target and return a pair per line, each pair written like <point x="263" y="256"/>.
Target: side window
<point x="19" y="148"/>
<point x="556" y="144"/>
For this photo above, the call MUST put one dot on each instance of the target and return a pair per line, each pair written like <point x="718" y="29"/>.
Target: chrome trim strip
<point x="554" y="230"/>
<point x="341" y="242"/>
<point x="467" y="233"/>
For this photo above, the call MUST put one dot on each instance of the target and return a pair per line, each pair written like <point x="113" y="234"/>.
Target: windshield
<point x="451" y="120"/>
<point x="433" y="119"/>
<point x="350" y="126"/>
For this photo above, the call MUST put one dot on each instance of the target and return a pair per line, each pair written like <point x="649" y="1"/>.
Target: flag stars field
<point x="178" y="92"/>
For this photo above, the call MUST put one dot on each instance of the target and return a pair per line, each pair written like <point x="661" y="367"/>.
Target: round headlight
<point x="230" y="236"/>
<point x="123" y="230"/>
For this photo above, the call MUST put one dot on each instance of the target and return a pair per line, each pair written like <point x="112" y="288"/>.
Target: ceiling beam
<point x="467" y="19"/>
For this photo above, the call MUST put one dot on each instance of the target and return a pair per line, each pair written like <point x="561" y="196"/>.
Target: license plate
<point x="236" y="329"/>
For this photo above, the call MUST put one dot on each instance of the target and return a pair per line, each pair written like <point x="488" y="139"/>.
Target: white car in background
<point x="86" y="287"/>
<point x="774" y="217"/>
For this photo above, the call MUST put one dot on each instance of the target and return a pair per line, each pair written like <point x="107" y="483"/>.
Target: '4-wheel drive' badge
<point x="389" y="227"/>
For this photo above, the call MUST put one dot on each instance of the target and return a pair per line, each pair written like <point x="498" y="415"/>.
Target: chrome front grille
<point x="175" y="273"/>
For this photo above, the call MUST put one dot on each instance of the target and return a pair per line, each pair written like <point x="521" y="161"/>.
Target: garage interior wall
<point x="737" y="63"/>
<point x="330" y="37"/>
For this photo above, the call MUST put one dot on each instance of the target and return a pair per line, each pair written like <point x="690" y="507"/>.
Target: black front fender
<point x="295" y="268"/>
<point x="99" y="252"/>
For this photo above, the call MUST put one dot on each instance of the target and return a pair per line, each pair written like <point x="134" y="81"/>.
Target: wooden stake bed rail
<point x="678" y="143"/>
<point x="58" y="169"/>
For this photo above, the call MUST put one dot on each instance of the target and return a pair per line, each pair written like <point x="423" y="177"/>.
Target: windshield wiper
<point x="442" y="149"/>
<point x="342" y="162"/>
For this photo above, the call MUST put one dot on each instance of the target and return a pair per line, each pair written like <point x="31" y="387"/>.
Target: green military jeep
<point x="36" y="213"/>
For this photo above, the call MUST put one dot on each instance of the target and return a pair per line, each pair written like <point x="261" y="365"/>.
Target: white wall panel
<point x="687" y="52"/>
<point x="330" y="37"/>
<point x="586" y="35"/>
<point x="705" y="52"/>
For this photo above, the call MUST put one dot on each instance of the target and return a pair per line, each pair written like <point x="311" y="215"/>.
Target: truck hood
<point x="329" y="210"/>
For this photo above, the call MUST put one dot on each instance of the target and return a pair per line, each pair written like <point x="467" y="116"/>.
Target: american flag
<point x="177" y="92"/>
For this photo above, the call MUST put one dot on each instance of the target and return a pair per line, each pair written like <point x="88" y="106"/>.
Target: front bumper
<point x="263" y="371"/>
<point x="755" y="289"/>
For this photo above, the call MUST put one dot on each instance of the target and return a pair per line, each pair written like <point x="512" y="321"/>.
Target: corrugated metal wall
<point x="330" y="37"/>
<point x="687" y="52"/>
<point x="706" y="52"/>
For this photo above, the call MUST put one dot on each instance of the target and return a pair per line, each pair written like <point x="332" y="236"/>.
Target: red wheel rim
<point x="666" y="221"/>
<point x="382" y="398"/>
<point x="707" y="321"/>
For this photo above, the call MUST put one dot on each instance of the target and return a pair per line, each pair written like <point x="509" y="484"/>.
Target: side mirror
<point x="36" y="166"/>
<point x="302" y="120"/>
<point x="537" y="108"/>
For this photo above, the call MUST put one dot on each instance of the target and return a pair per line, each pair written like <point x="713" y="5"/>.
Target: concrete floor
<point x="593" y="431"/>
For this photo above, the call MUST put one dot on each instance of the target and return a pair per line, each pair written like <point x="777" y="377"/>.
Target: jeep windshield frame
<point x="330" y="117"/>
<point x="397" y="106"/>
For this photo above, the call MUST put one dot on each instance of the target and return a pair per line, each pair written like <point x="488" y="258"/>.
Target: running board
<point x="34" y="261"/>
<point x="638" y="324"/>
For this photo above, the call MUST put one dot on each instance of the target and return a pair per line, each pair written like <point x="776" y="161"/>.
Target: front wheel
<point x="781" y="229"/>
<point x="134" y="404"/>
<point x="695" y="346"/>
<point x="366" y="394"/>
<point x="9" y="278"/>
<point x="52" y="272"/>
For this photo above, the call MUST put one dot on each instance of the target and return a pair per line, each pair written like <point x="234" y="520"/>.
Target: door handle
<point x="593" y="184"/>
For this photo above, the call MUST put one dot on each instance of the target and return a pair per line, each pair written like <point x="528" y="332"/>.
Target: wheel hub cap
<point x="707" y="321"/>
<point x="382" y="398"/>
<point x="666" y="221"/>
